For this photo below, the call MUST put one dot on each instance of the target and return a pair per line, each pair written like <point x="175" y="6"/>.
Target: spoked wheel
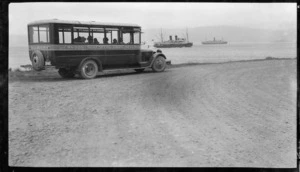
<point x="65" y="73"/>
<point x="159" y="64"/>
<point x="89" y="69"/>
<point x="139" y="70"/>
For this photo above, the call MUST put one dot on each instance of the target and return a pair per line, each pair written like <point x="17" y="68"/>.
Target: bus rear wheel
<point x="88" y="69"/>
<point x="65" y="73"/>
<point x="37" y="60"/>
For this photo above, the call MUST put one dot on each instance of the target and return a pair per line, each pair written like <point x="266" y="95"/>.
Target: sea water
<point x="198" y="53"/>
<point x="215" y="53"/>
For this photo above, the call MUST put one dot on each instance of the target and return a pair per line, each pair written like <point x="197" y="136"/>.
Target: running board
<point x="168" y="62"/>
<point x="144" y="64"/>
<point x="114" y="69"/>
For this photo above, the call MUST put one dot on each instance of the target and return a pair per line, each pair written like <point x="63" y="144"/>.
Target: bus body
<point x="84" y="48"/>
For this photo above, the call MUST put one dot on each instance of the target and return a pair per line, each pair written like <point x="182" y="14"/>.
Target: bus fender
<point x="155" y="56"/>
<point x="37" y="60"/>
<point x="92" y="58"/>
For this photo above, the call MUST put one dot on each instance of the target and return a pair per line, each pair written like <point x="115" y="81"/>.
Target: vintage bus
<point x="87" y="47"/>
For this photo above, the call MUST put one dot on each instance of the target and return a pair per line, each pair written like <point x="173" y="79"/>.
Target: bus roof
<point x="82" y="22"/>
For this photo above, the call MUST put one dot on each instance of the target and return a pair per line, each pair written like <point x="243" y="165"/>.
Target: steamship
<point x="178" y="42"/>
<point x="215" y="42"/>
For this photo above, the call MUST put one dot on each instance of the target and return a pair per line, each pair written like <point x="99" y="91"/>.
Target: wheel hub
<point x="35" y="59"/>
<point x="159" y="63"/>
<point x="89" y="69"/>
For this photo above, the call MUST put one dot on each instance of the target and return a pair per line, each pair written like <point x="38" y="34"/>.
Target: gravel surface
<point x="239" y="114"/>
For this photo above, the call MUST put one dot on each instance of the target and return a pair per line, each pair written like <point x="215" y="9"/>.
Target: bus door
<point x="118" y="50"/>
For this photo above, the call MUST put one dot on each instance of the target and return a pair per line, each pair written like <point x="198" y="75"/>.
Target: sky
<point x="158" y="15"/>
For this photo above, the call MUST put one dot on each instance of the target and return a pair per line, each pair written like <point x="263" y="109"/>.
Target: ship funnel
<point x="170" y="37"/>
<point x="176" y="37"/>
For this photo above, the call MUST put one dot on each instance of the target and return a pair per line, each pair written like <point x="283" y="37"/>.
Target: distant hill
<point x="198" y="34"/>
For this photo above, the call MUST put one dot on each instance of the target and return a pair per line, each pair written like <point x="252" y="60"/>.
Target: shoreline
<point x="52" y="73"/>
<point x="28" y="68"/>
<point x="235" y="61"/>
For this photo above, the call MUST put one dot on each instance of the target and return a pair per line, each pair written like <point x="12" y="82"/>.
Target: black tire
<point x="65" y="73"/>
<point x="38" y="61"/>
<point x="159" y="64"/>
<point x="139" y="70"/>
<point x="88" y="69"/>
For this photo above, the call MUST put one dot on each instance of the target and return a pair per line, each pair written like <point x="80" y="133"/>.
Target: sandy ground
<point x="239" y="114"/>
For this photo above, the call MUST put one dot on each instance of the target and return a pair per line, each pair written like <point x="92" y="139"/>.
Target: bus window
<point x="107" y="39"/>
<point x="136" y="36"/>
<point x="44" y="34"/>
<point x="113" y="35"/>
<point x="61" y="36"/>
<point x="39" y="34"/>
<point x="97" y="35"/>
<point x="34" y="34"/>
<point x="81" y="34"/>
<point x="64" y="35"/>
<point x="126" y="38"/>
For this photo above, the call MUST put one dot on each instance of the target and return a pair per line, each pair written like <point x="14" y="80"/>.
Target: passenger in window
<point x="105" y="40"/>
<point x="82" y="39"/>
<point x="96" y="41"/>
<point x="121" y="41"/>
<point x="78" y="39"/>
<point x="90" y="39"/>
<point x="115" y="41"/>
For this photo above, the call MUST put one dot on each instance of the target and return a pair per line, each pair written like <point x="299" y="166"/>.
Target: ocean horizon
<point x="198" y="53"/>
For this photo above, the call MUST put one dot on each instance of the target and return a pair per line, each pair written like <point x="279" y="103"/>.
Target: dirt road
<point x="240" y="114"/>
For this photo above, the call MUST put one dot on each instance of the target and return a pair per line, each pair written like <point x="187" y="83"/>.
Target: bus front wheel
<point x="88" y="69"/>
<point x="159" y="64"/>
